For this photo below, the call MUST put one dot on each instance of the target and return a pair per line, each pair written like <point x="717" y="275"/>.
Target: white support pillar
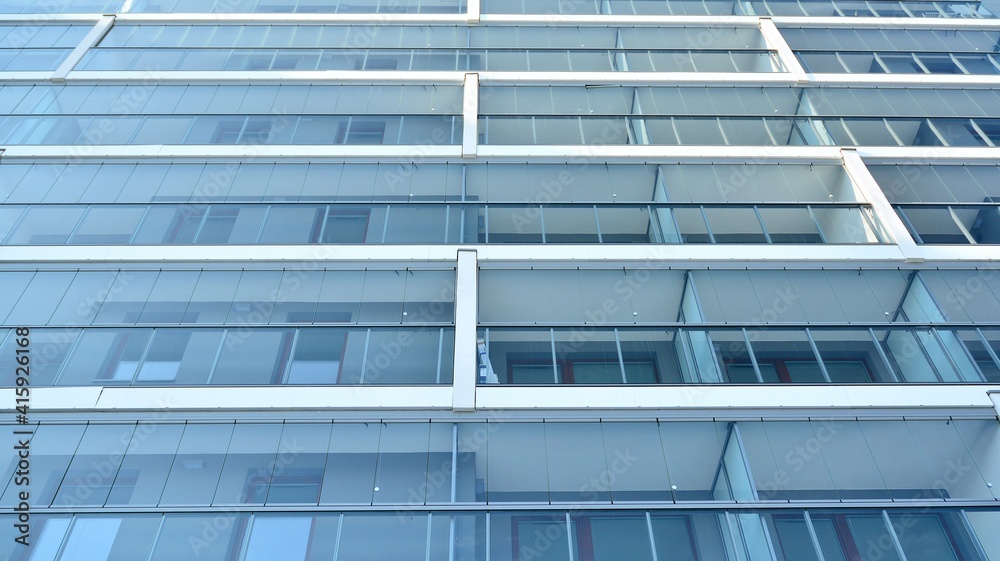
<point x="466" y="319"/>
<point x="474" y="11"/>
<point x="100" y="29"/>
<point x="872" y="193"/>
<point x="774" y="40"/>
<point x="995" y="396"/>
<point x="470" y="116"/>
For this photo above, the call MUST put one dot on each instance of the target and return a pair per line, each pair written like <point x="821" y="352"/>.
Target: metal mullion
<point x="812" y="215"/>
<point x="989" y="348"/>
<point x="947" y="354"/>
<point x="555" y="365"/>
<point x="892" y="534"/>
<point x="753" y="357"/>
<point x="597" y="220"/>
<point x="569" y="536"/>
<point x="708" y="227"/>
<point x="364" y="357"/>
<point x="961" y="227"/>
<point x="143" y="355"/>
<point x="218" y="355"/>
<point x="340" y="533"/>
<point x="981" y="133"/>
<point x="245" y="538"/>
<point x="287" y="370"/>
<point x="901" y="212"/>
<point x="437" y="379"/>
<point x="385" y="225"/>
<point x="156" y="538"/>
<point x="322" y="226"/>
<point x="763" y="227"/>
<point x="812" y="536"/>
<point x="956" y="62"/>
<point x="881" y="352"/>
<point x="208" y="209"/>
<point x="819" y="358"/>
<point x="621" y="360"/>
<point x="652" y="535"/>
<point x="541" y="219"/>
<point x="937" y="133"/>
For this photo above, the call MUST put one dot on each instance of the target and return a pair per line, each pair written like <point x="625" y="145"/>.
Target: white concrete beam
<point x="100" y="29"/>
<point x="466" y="320"/>
<point x="869" y="188"/>
<point x="470" y="116"/>
<point x="774" y="41"/>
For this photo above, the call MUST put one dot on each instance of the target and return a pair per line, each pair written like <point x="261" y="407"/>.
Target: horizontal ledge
<point x="487" y="78"/>
<point x="575" y="507"/>
<point x="729" y="398"/>
<point x="499" y="403"/>
<point x="723" y="255"/>
<point x="233" y="399"/>
<point x="462" y="19"/>
<point x="573" y="154"/>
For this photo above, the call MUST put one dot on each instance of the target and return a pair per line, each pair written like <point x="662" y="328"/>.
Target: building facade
<point x="503" y="280"/>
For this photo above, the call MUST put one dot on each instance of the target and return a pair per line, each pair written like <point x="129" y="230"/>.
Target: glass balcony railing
<point x="426" y="223"/>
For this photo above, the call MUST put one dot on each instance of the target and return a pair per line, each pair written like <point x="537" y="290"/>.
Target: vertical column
<point x="466" y="355"/>
<point x="774" y="40"/>
<point x="872" y="193"/>
<point x="474" y="9"/>
<point x="470" y="116"/>
<point x="100" y="29"/>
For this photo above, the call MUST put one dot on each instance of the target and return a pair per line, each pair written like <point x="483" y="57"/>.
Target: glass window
<point x="363" y="535"/>
<point x="295" y="538"/>
<point x="105" y="357"/>
<point x="183" y="536"/>
<point x="180" y="356"/>
<point x="46" y="225"/>
<point x="252" y="357"/>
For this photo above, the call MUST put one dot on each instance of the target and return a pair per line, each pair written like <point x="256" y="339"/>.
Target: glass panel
<point x="363" y="536"/>
<point x="147" y="462"/>
<point x="180" y="356"/>
<point x="195" y="472"/>
<point x="402" y="463"/>
<point x="252" y="357"/>
<point x="637" y="469"/>
<point x="249" y="464"/>
<point x="576" y="462"/>
<point x="106" y="357"/>
<point x="522" y="356"/>
<point x="588" y="358"/>
<point x="350" y="467"/>
<point x="110" y="538"/>
<point x="295" y="538"/>
<point x="183" y="536"/>
<point x="694" y="470"/>
<point x="95" y="463"/>
<point x="516" y="464"/>
<point x="852" y="357"/>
